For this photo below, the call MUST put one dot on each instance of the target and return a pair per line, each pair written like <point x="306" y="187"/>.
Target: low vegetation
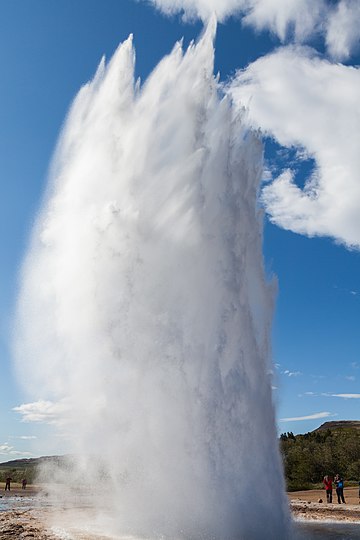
<point x="332" y="448"/>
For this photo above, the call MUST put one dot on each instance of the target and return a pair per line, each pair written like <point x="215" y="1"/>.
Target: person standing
<point x="327" y="481"/>
<point x="7" y="483"/>
<point x="23" y="483"/>
<point x="339" y="482"/>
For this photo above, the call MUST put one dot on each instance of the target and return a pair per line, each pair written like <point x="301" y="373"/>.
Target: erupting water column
<point x="144" y="312"/>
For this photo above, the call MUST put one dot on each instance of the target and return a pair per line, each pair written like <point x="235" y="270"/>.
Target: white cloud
<point x="5" y="448"/>
<point x="350" y="377"/>
<point x="202" y="9"/>
<point x="343" y="30"/>
<point x="346" y="396"/>
<point x="291" y="373"/>
<point x="305" y="102"/>
<point x="8" y="450"/>
<point x="301" y="18"/>
<point x="278" y="16"/>
<point x="42" y="411"/>
<point x="23" y="437"/>
<point x="315" y="416"/>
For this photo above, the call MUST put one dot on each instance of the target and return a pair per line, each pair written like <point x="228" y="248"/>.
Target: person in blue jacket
<point x="339" y="482"/>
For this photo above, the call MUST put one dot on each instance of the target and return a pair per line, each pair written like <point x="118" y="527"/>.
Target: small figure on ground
<point x="339" y="482"/>
<point x="327" y="481"/>
<point x="7" y="483"/>
<point x="23" y="483"/>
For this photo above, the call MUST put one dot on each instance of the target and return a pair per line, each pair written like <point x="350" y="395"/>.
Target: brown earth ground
<point x="21" y="524"/>
<point x="33" y="524"/>
<point x="306" y="505"/>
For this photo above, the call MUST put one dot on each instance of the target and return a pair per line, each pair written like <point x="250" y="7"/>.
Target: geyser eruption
<point x="144" y="312"/>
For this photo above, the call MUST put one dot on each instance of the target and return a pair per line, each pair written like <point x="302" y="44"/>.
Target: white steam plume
<point x="144" y="306"/>
<point x="311" y="104"/>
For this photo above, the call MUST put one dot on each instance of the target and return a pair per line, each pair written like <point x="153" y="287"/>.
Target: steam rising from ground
<point x="144" y="311"/>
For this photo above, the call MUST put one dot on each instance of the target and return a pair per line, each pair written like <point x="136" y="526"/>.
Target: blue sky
<point x="48" y="50"/>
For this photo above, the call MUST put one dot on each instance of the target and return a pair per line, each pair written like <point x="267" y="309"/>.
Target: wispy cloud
<point x="314" y="416"/>
<point x="291" y="373"/>
<point x="23" y="437"/>
<point x="345" y="396"/>
<point x="7" y="450"/>
<point x="353" y="292"/>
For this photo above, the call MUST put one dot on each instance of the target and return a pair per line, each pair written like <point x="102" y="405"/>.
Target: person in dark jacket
<point x="339" y="482"/>
<point x="7" y="483"/>
<point x="328" y="488"/>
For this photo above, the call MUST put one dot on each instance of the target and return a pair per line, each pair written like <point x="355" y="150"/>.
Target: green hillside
<point x="332" y="448"/>
<point x="27" y="468"/>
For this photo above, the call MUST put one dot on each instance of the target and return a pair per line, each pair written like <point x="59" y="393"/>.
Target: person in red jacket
<point x="328" y="487"/>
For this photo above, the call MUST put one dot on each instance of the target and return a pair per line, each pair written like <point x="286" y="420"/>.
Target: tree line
<point x="17" y="475"/>
<point x="308" y="458"/>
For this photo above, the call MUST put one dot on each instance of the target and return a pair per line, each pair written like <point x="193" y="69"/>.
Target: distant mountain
<point x="31" y="462"/>
<point x="340" y="424"/>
